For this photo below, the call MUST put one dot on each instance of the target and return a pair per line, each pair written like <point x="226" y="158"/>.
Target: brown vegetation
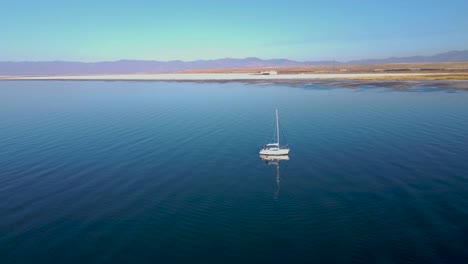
<point x="458" y="69"/>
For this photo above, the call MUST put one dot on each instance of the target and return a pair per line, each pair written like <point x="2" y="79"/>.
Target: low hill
<point x="9" y="68"/>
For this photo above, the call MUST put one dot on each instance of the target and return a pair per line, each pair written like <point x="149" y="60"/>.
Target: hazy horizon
<point x="206" y="30"/>
<point x="235" y="58"/>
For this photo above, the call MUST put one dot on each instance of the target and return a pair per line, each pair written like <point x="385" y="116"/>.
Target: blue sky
<point x="188" y="30"/>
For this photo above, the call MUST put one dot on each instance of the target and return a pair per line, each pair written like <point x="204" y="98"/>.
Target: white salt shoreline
<point x="214" y="76"/>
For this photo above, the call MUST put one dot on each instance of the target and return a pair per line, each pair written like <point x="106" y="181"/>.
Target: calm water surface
<point x="165" y="172"/>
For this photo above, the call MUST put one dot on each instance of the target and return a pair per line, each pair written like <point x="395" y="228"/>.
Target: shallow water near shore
<point x="145" y="172"/>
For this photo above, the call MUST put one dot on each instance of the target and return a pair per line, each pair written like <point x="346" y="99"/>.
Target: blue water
<point x="167" y="172"/>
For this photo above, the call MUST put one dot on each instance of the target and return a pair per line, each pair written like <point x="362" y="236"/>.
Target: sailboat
<point x="274" y="149"/>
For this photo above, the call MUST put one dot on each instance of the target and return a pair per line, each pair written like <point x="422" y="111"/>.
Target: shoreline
<point x="389" y="80"/>
<point x="245" y="76"/>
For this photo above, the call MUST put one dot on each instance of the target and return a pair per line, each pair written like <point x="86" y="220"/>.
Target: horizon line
<point x="228" y="58"/>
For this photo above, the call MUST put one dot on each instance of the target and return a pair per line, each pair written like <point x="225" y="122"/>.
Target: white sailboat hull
<point x="274" y="152"/>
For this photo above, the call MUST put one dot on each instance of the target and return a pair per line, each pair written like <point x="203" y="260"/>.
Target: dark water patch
<point x="118" y="172"/>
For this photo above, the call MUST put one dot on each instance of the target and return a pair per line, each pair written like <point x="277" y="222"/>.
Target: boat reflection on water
<point x="271" y="158"/>
<point x="275" y="161"/>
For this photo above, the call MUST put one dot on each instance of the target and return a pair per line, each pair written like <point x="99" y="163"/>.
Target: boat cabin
<point x="271" y="146"/>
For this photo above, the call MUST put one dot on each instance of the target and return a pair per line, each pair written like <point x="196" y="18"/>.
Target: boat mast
<point x="277" y="128"/>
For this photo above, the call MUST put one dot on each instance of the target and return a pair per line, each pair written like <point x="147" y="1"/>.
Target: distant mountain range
<point x="451" y="56"/>
<point x="147" y="66"/>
